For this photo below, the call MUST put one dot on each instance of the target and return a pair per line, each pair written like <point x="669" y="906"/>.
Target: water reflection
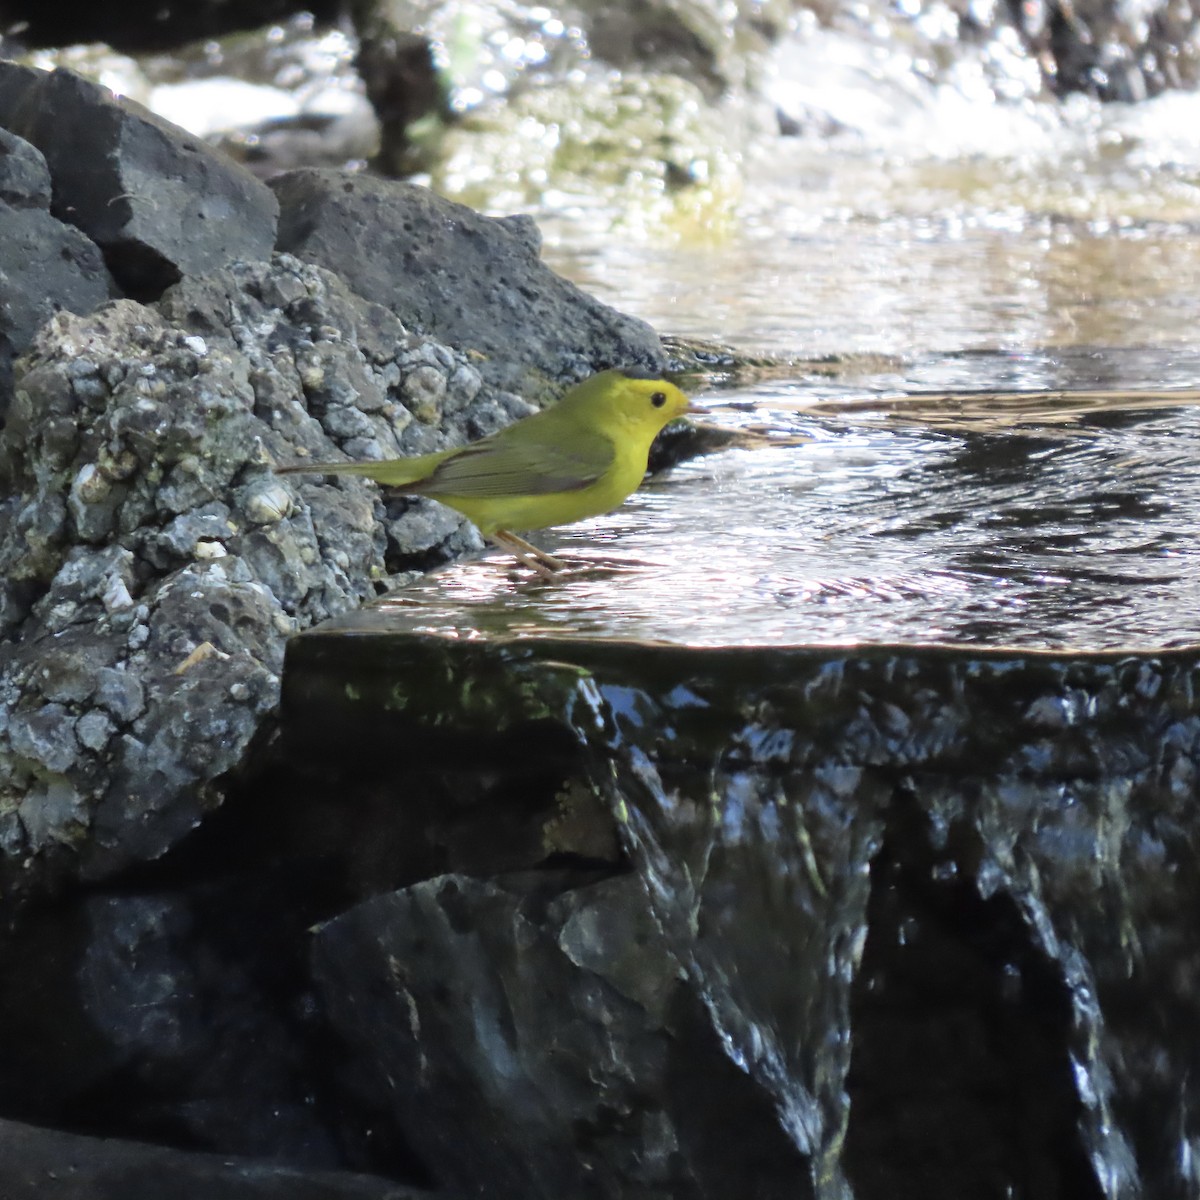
<point x="899" y="287"/>
<point x="1031" y="226"/>
<point x="1026" y="473"/>
<point x="906" y="519"/>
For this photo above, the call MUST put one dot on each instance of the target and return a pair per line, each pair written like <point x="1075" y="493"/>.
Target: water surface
<point x="1013" y="461"/>
<point x="1045" y="519"/>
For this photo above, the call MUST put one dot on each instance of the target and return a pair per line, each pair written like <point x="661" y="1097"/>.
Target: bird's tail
<point x="392" y="472"/>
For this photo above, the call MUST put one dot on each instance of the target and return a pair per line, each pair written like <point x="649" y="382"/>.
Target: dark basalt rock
<point x="556" y="1055"/>
<point x="468" y="280"/>
<point x="167" y="1016"/>
<point x="136" y="25"/>
<point x="159" y="202"/>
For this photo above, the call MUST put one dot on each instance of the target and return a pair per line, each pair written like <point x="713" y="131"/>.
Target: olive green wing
<point x="524" y="460"/>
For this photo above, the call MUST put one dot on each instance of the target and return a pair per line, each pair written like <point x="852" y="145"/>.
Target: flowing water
<point x="1030" y="522"/>
<point x="1013" y="460"/>
<point x="1009" y="450"/>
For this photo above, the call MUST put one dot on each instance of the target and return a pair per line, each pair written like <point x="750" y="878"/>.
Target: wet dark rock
<point x="465" y="279"/>
<point x="1110" y="50"/>
<point x="580" y="1078"/>
<point x="941" y="940"/>
<point x="148" y="24"/>
<point x="159" y="202"/>
<point x="164" y="1016"/>
<point x="43" y="1164"/>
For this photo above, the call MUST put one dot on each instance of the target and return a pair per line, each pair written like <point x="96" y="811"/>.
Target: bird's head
<point x="639" y="400"/>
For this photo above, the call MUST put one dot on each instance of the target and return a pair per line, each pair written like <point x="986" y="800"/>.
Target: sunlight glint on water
<point x="1054" y="252"/>
<point x="1075" y="532"/>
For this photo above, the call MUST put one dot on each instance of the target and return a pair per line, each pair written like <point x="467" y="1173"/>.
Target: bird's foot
<point x="543" y="564"/>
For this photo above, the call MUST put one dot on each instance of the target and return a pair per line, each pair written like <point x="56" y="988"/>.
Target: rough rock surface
<point x="153" y="564"/>
<point x="465" y="279"/>
<point x="160" y="203"/>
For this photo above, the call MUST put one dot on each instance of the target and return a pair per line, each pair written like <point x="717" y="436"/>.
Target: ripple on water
<point x="907" y="519"/>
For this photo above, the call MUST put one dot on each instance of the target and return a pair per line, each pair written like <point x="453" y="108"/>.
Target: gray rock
<point x="465" y="279"/>
<point x="24" y="176"/>
<point x="159" y="202"/>
<point x="45" y="736"/>
<point x="154" y="565"/>
<point x="45" y="267"/>
<point x="50" y="811"/>
<point x="120" y="694"/>
<point x="94" y="729"/>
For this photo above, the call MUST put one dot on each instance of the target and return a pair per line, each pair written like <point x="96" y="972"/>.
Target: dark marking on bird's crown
<point x="638" y="373"/>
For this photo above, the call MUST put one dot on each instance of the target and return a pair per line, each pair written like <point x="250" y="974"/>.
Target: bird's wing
<point x="536" y="463"/>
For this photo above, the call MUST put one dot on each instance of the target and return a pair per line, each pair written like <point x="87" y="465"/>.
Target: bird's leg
<point x="546" y="565"/>
<point x="547" y="560"/>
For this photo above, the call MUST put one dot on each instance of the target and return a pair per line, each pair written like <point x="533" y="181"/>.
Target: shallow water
<point x="1040" y="260"/>
<point x="1002" y="465"/>
<point x="1092" y="240"/>
<point x="1029" y="521"/>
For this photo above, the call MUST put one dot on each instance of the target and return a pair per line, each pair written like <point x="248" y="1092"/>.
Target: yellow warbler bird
<point x="578" y="459"/>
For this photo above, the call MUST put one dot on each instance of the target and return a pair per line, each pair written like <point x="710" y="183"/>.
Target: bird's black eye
<point x="658" y="399"/>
